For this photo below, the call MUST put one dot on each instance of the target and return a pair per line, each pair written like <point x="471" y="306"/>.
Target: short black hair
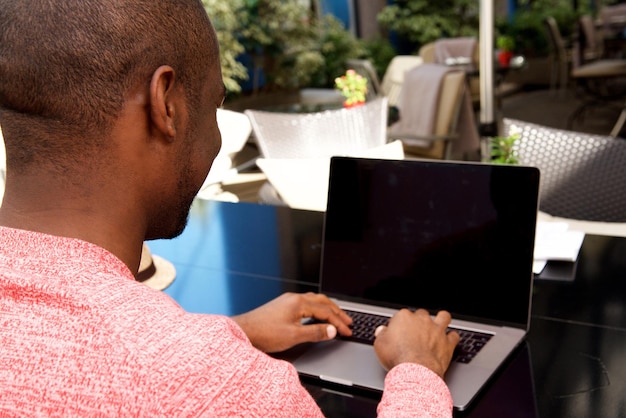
<point x="66" y="65"/>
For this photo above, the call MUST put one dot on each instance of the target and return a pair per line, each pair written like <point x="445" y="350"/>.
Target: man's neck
<point x="77" y="218"/>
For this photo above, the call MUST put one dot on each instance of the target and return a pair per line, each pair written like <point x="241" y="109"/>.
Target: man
<point x="108" y="112"/>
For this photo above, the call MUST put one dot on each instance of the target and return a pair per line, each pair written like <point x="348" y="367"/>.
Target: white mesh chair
<point x="317" y="135"/>
<point x="583" y="176"/>
<point x="235" y="129"/>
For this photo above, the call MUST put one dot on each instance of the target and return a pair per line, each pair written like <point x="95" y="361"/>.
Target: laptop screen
<point x="434" y="235"/>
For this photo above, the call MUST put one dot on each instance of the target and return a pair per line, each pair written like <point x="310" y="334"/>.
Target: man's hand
<point x="416" y="338"/>
<point x="277" y="325"/>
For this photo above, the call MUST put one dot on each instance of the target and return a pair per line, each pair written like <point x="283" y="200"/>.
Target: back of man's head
<point x="66" y="66"/>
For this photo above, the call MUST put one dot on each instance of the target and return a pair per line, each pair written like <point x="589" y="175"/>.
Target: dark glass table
<point x="233" y="257"/>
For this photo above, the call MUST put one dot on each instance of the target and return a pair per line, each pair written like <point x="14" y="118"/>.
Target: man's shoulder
<point x="34" y="256"/>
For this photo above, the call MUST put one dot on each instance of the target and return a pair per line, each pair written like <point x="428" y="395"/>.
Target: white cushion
<point x="303" y="182"/>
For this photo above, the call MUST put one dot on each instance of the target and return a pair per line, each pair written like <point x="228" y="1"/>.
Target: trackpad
<point x="343" y="362"/>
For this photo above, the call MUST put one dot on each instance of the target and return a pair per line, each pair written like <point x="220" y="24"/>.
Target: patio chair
<point x="317" y="135"/>
<point x="436" y="116"/>
<point x="600" y="83"/>
<point x="591" y="40"/>
<point x="612" y="18"/>
<point x="443" y="51"/>
<point x="235" y="129"/>
<point x="451" y="51"/>
<point x="391" y="84"/>
<point x="583" y="176"/>
<point x="561" y="56"/>
<point x="394" y="76"/>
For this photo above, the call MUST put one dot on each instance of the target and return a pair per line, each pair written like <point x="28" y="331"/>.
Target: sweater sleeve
<point x="229" y="377"/>
<point x="264" y="386"/>
<point x="414" y="391"/>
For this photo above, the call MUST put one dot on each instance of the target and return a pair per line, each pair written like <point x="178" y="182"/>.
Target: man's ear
<point x="162" y="103"/>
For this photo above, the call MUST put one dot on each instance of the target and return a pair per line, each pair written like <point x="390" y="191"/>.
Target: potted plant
<point x="352" y="86"/>
<point x="502" y="151"/>
<point x="506" y="46"/>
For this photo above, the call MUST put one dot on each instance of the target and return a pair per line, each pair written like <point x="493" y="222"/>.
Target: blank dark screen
<point x="434" y="235"/>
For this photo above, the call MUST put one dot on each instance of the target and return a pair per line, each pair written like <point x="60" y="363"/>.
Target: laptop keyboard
<point x="364" y="325"/>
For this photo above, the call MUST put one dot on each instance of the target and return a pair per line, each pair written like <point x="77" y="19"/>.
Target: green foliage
<point x="423" y="21"/>
<point x="288" y="42"/>
<point x="283" y="36"/>
<point x="226" y="20"/>
<point x="527" y="25"/>
<point x="502" y="149"/>
<point x="380" y="51"/>
<point x="505" y="43"/>
<point x="336" y="45"/>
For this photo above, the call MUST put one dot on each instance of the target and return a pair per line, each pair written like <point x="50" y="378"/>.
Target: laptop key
<point x="470" y="344"/>
<point x="364" y="325"/>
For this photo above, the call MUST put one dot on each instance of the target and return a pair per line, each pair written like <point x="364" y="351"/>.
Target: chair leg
<point x="553" y="75"/>
<point x="620" y="123"/>
<point x="594" y="103"/>
<point x="563" y="77"/>
<point x="579" y="111"/>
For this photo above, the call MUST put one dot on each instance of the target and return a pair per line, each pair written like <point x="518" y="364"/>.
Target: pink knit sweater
<point x="80" y="337"/>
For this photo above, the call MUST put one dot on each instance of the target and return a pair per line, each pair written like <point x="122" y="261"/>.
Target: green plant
<point x="227" y="22"/>
<point x="287" y="42"/>
<point x="380" y="51"/>
<point x="335" y="45"/>
<point x="527" y="24"/>
<point x="423" y="21"/>
<point x="279" y="36"/>
<point x="502" y="149"/>
<point x="505" y="43"/>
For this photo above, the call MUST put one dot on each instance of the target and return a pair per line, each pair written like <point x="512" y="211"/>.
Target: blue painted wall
<point x="339" y="8"/>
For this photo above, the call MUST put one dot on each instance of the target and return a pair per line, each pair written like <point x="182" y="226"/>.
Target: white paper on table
<point x="539" y="265"/>
<point x="554" y="241"/>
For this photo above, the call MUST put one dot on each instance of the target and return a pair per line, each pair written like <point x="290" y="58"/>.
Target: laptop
<point x="427" y="234"/>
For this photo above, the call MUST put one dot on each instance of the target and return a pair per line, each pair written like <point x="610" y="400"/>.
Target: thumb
<point x="379" y="329"/>
<point x="319" y="332"/>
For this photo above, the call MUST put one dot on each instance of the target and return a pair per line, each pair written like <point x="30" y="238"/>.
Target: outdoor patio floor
<point x="553" y="108"/>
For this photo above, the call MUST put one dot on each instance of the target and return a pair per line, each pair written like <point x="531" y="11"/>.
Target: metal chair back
<point x="583" y="176"/>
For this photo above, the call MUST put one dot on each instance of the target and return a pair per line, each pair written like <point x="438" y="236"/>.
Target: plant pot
<point x="353" y="104"/>
<point x="504" y="58"/>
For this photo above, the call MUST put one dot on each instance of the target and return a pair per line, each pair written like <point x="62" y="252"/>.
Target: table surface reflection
<point x="233" y="257"/>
